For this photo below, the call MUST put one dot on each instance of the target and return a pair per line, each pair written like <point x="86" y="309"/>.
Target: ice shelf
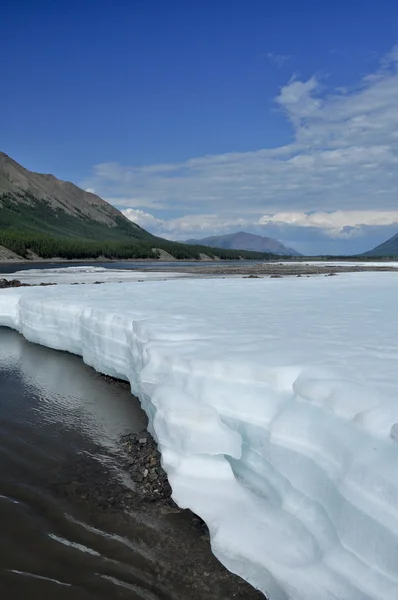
<point x="275" y="406"/>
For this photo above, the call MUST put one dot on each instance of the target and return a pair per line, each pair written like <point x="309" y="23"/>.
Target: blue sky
<point x="201" y="118"/>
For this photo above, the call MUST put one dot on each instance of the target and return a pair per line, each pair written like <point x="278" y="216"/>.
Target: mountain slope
<point x="43" y="215"/>
<point x="387" y="248"/>
<point x="246" y="241"/>
<point x="59" y="195"/>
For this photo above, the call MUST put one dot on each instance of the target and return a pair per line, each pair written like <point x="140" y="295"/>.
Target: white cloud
<point x="343" y="160"/>
<point x="278" y="60"/>
<point x="142" y="218"/>
<point x="335" y="224"/>
<point x="185" y="227"/>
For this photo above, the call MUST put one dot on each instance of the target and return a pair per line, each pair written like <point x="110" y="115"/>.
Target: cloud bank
<point x="337" y="181"/>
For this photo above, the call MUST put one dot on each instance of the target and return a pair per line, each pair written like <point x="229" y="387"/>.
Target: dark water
<point x="131" y="266"/>
<point x="60" y="424"/>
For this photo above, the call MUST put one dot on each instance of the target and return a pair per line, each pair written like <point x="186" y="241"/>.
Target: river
<point x="137" y="265"/>
<point x="63" y="533"/>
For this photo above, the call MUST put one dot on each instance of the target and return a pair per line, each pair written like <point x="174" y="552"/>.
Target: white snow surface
<point x="344" y="263"/>
<point x="86" y="274"/>
<point x="275" y="407"/>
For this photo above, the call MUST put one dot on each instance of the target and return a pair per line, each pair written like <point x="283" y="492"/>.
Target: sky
<point x="200" y="118"/>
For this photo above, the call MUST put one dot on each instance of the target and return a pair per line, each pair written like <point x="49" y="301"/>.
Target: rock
<point x="145" y="469"/>
<point x="276" y="277"/>
<point x="15" y="283"/>
<point x="12" y="283"/>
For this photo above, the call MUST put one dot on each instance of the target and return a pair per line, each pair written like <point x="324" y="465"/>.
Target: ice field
<point x="84" y="274"/>
<point x="275" y="406"/>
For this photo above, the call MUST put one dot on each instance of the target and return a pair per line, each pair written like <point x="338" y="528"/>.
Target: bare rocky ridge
<point x="7" y="255"/>
<point x="163" y="255"/>
<point x="60" y="194"/>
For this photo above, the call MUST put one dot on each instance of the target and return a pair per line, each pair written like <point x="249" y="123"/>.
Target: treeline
<point x="49" y="247"/>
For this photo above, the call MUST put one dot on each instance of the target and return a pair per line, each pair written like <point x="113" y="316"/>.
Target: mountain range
<point x="246" y="241"/>
<point x="44" y="217"/>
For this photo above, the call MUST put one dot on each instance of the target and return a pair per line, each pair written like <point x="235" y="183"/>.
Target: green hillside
<point x="31" y="224"/>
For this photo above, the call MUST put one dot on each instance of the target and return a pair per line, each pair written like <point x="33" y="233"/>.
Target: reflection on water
<point x="59" y="426"/>
<point x="63" y="391"/>
<point x="53" y="409"/>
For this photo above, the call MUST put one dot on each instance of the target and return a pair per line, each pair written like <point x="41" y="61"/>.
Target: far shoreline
<point x="218" y="269"/>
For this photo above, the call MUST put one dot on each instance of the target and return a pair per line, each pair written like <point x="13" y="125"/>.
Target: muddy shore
<point x="133" y="482"/>
<point x="269" y="269"/>
<point x="179" y="538"/>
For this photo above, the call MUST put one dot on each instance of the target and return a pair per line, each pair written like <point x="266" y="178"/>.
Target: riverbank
<point x="76" y="524"/>
<point x="175" y="540"/>
<point x="179" y="538"/>
<point x="279" y="269"/>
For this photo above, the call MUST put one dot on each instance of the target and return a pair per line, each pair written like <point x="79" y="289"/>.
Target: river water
<point x="61" y="536"/>
<point x="145" y="265"/>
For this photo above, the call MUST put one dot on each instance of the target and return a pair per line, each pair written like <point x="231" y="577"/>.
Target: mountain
<point x="43" y="204"/>
<point x="246" y="241"/>
<point x="42" y="216"/>
<point x="388" y="248"/>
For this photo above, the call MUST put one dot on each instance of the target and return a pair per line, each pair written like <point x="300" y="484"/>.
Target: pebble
<point x="145" y="469"/>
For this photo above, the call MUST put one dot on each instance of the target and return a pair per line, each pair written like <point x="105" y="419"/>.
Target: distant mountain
<point x="246" y="241"/>
<point x="44" y="217"/>
<point x="388" y="248"/>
